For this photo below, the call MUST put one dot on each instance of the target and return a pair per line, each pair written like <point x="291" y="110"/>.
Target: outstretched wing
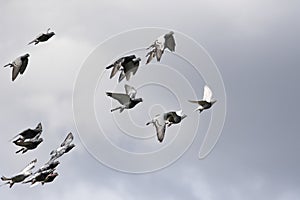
<point x="160" y="127"/>
<point x="192" y="101"/>
<point x="15" y="72"/>
<point x="67" y="140"/>
<point x="23" y="66"/>
<point x="121" y="98"/>
<point x="170" y="42"/>
<point x="207" y="95"/>
<point x="30" y="166"/>
<point x="130" y="91"/>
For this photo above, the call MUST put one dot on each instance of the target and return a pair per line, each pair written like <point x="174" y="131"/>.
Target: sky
<point x="255" y="46"/>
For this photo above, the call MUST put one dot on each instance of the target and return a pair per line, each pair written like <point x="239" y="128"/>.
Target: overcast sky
<point x="255" y="45"/>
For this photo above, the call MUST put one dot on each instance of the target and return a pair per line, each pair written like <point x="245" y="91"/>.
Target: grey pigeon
<point x="65" y="147"/>
<point x="42" y="37"/>
<point x="127" y="100"/>
<point x="166" y="41"/>
<point x="39" y="176"/>
<point x="207" y="100"/>
<point x="28" y="144"/>
<point x="117" y="65"/>
<point x="19" y="65"/>
<point x="49" y="178"/>
<point x="129" y="69"/>
<point x="29" y="133"/>
<point x="161" y="121"/>
<point x="21" y="176"/>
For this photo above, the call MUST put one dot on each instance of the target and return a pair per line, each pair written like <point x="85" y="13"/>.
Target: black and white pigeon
<point x="161" y="121"/>
<point x="28" y="144"/>
<point x="207" y="100"/>
<point x="29" y="133"/>
<point x="51" y="164"/>
<point x="129" y="69"/>
<point x="21" y="176"/>
<point x="19" y="65"/>
<point x="127" y="100"/>
<point x="38" y="176"/>
<point x="166" y="41"/>
<point x="118" y="64"/>
<point x="65" y="147"/>
<point x="42" y="37"/>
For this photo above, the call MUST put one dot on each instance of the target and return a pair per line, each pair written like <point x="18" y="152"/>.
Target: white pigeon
<point x="127" y="100"/>
<point x="19" y="65"/>
<point x="65" y="147"/>
<point x="163" y="42"/>
<point x="21" y="176"/>
<point x="207" y="100"/>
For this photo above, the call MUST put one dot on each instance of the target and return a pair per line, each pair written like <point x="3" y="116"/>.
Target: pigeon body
<point x="21" y="176"/>
<point x="161" y="121"/>
<point x="28" y="144"/>
<point x="129" y="69"/>
<point x="127" y="100"/>
<point x="163" y="42"/>
<point x="207" y="100"/>
<point x="19" y="65"/>
<point x="42" y="37"/>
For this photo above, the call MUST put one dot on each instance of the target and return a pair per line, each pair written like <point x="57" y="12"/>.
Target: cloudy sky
<point x="256" y="48"/>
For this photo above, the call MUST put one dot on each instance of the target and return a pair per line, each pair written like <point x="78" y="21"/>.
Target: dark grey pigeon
<point x="117" y="65"/>
<point x="29" y="133"/>
<point x="127" y="100"/>
<point x="65" y="147"/>
<point x="21" y="176"/>
<point x="129" y="69"/>
<point x="19" y="65"/>
<point x="28" y="144"/>
<point x="39" y="176"/>
<point x="207" y="100"/>
<point x="42" y="37"/>
<point x="161" y="121"/>
<point x="166" y="41"/>
<point x="50" y="178"/>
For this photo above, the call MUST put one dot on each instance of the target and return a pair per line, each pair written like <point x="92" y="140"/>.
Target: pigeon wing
<point x="170" y="42"/>
<point x="130" y="91"/>
<point x="15" y="72"/>
<point x="30" y="166"/>
<point x="160" y="127"/>
<point x="121" y="98"/>
<point x="67" y="140"/>
<point x="23" y="66"/>
<point x="207" y="95"/>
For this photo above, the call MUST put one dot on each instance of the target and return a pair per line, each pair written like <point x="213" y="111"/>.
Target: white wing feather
<point x="130" y="91"/>
<point x="207" y="94"/>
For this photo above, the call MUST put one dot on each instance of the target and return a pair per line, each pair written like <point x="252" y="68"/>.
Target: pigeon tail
<point x="108" y="67"/>
<point x="109" y="94"/>
<point x="3" y="178"/>
<point x="112" y="110"/>
<point x="9" y="64"/>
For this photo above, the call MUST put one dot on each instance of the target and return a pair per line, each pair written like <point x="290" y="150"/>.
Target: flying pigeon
<point x="19" y="65"/>
<point x="127" y="100"/>
<point x="51" y="164"/>
<point x="21" y="176"/>
<point x="119" y="63"/>
<point x="161" y="121"/>
<point x="129" y="69"/>
<point x="49" y="178"/>
<point x="29" y="133"/>
<point x="39" y="176"/>
<point x="207" y="100"/>
<point x="28" y="144"/>
<point x="65" y="147"/>
<point x="166" y="41"/>
<point x="42" y="37"/>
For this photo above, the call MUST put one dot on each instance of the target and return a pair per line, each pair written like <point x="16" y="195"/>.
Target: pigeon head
<point x="138" y="100"/>
<point x="51" y="34"/>
<point x="171" y="32"/>
<point x="39" y="140"/>
<point x="138" y="59"/>
<point x="26" y="55"/>
<point x="39" y="127"/>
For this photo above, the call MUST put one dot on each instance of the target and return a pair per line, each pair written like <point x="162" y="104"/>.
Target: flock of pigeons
<point x="31" y="138"/>
<point x="128" y="66"/>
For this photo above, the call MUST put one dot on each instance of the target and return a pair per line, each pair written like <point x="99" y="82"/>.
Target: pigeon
<point x="119" y="63"/>
<point x="51" y="164"/>
<point x="207" y="100"/>
<point x="28" y="144"/>
<point x="49" y="178"/>
<point x="161" y="121"/>
<point x="129" y="69"/>
<point x="42" y="37"/>
<point x="166" y="41"/>
<point x="39" y="176"/>
<point x="19" y="65"/>
<point x="29" y="133"/>
<point x="65" y="147"/>
<point x="21" y="176"/>
<point x="127" y="100"/>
